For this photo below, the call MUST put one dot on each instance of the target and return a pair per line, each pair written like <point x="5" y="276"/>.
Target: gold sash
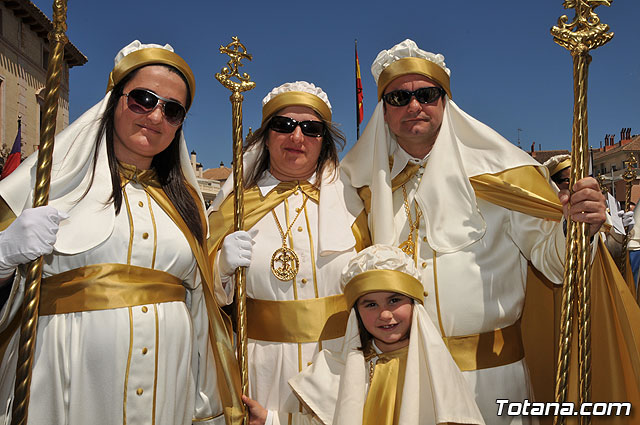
<point x="488" y="349"/>
<point x="107" y="286"/>
<point x="384" y="398"/>
<point x="311" y="320"/>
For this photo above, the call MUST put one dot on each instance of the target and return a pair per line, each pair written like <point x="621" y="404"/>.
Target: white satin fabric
<point x="89" y="366"/>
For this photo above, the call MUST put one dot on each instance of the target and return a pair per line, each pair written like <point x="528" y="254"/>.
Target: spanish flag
<point x="359" y="107"/>
<point x="13" y="160"/>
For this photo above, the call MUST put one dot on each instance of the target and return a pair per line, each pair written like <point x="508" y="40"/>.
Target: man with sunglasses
<point x="443" y="188"/>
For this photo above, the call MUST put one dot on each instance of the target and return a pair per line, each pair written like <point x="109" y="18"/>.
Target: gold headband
<point x="560" y="166"/>
<point x="413" y="65"/>
<point x="296" y="98"/>
<point x="383" y="281"/>
<point x="150" y="56"/>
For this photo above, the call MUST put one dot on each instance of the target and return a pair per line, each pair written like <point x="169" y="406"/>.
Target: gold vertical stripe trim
<point x="155" y="371"/>
<point x="286" y="220"/>
<point x="126" y="202"/>
<point x="289" y="419"/>
<point x="313" y="255"/>
<point x="155" y="232"/>
<point x="435" y="286"/>
<point x="126" y="376"/>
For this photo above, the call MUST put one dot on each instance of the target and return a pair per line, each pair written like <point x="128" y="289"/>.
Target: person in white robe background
<point x="126" y="318"/>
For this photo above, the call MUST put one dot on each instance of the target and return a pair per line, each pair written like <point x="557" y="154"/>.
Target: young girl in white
<point x="394" y="367"/>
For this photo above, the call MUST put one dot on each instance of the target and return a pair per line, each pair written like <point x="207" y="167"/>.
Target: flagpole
<point x="579" y="36"/>
<point x="357" y="103"/>
<point x="31" y="302"/>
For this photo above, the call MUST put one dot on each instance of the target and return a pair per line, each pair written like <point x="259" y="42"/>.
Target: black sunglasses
<point x="288" y="125"/>
<point x="142" y="101"/>
<point x="423" y="95"/>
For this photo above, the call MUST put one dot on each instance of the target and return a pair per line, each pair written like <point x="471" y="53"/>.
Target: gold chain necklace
<point x="409" y="246"/>
<point x="285" y="256"/>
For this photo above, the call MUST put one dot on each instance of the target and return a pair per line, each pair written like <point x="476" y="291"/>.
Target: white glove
<point x="30" y="236"/>
<point x="236" y="251"/>
<point x="627" y="218"/>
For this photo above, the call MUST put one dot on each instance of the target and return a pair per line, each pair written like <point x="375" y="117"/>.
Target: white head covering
<point x="72" y="164"/>
<point x="335" y="385"/>
<point x="464" y="148"/>
<point x="339" y="204"/>
<point x="557" y="163"/>
<point x="289" y="94"/>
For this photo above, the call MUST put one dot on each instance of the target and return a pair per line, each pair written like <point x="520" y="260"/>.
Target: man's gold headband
<point x="412" y="65"/>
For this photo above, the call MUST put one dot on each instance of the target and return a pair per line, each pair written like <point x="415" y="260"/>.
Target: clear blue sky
<point x="506" y="69"/>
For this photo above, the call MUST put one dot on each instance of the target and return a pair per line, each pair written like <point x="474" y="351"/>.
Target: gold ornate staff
<point x="584" y="33"/>
<point x="31" y="301"/>
<point x="629" y="177"/>
<point x="237" y="52"/>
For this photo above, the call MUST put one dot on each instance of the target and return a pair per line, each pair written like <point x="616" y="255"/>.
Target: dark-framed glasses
<point x="288" y="125"/>
<point x="423" y="95"/>
<point x="143" y="101"/>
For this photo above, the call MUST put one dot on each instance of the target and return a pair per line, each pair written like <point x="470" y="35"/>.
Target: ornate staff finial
<point x="585" y="32"/>
<point x="236" y="52"/>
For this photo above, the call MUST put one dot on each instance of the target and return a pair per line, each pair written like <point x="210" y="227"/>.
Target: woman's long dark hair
<point x="332" y="140"/>
<point x="166" y="163"/>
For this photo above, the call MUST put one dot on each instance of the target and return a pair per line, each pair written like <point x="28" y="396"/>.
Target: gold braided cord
<point x="584" y="33"/>
<point x="237" y="52"/>
<point x="31" y="300"/>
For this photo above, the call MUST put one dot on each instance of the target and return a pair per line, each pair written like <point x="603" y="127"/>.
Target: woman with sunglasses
<point x="126" y="333"/>
<point x="303" y="225"/>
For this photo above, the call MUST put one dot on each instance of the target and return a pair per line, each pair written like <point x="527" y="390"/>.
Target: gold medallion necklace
<point x="409" y="246"/>
<point x="285" y="256"/>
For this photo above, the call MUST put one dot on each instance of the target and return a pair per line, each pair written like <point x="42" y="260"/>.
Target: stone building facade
<point x="24" y="55"/>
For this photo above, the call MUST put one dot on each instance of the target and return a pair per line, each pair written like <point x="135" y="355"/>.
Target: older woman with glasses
<point x="126" y="333"/>
<point x="303" y="225"/>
